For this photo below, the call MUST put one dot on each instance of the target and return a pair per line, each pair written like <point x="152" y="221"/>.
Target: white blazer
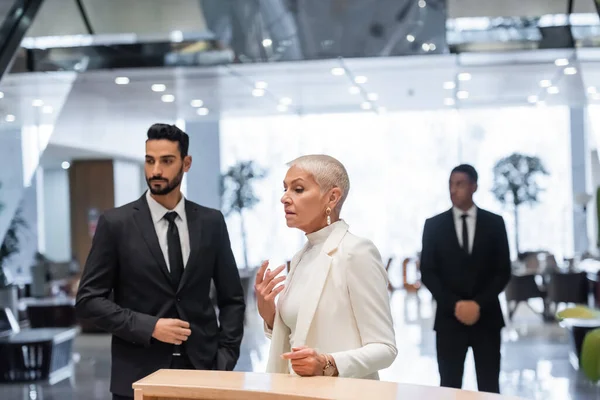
<point x="347" y="313"/>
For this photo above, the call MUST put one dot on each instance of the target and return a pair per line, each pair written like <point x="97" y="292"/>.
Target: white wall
<point x="128" y="178"/>
<point x="506" y="8"/>
<point x="202" y="181"/>
<point x="56" y="215"/>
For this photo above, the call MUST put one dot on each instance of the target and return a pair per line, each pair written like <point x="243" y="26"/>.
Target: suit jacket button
<point x="178" y="299"/>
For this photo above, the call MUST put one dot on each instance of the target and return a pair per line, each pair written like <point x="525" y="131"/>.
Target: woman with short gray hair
<point x="333" y="317"/>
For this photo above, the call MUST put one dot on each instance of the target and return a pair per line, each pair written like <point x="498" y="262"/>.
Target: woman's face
<point x="303" y="202"/>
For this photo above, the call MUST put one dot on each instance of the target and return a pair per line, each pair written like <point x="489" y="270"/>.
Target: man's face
<point x="461" y="190"/>
<point x="164" y="166"/>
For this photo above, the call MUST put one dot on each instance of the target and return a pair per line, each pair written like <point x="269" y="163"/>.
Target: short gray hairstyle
<point x="328" y="172"/>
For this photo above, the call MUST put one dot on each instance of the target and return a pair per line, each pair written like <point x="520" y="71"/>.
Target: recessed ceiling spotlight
<point x="338" y="71"/>
<point x="258" y="92"/>
<point x="462" y="94"/>
<point x="261" y="85"/>
<point x="10" y="118"/>
<point x="353" y="90"/>
<point x="449" y="85"/>
<point x="122" y="80"/>
<point x="47" y="110"/>
<point x="410" y="38"/>
<point x="360" y="79"/>
<point x="196" y="103"/>
<point x="267" y="42"/>
<point x="532" y="99"/>
<point x="553" y="90"/>
<point x="65" y="165"/>
<point x="570" y="71"/>
<point x="168" y="98"/>
<point x="286" y="101"/>
<point x="464" y="76"/>
<point x="1" y="95"/>
<point x="282" y="108"/>
<point x="449" y="101"/>
<point x="422" y="3"/>
<point x="202" y="111"/>
<point x="159" y="87"/>
<point x="561" y="62"/>
<point x="373" y="96"/>
<point x="37" y="103"/>
<point x="546" y="83"/>
<point x="366" y="105"/>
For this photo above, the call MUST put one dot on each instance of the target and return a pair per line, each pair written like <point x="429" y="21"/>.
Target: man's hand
<point x="169" y="330"/>
<point x="467" y="312"/>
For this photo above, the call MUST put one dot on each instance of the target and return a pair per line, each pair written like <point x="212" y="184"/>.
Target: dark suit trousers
<point x="179" y="362"/>
<point x="452" y="349"/>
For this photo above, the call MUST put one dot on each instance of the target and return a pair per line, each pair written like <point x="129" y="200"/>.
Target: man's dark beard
<point x="168" y="188"/>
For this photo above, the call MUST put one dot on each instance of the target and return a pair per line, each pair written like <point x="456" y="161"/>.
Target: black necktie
<point x="174" y="245"/>
<point x="465" y="234"/>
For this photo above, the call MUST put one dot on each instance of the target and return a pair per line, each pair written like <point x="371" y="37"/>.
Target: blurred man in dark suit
<point x="465" y="263"/>
<point x="157" y="256"/>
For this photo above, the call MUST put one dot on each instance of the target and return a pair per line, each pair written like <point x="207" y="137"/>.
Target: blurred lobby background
<point x="400" y="91"/>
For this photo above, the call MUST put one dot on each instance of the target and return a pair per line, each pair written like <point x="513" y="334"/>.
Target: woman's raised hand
<point x="266" y="290"/>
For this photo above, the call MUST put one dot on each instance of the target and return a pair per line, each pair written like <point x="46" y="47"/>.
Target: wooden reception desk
<point x="216" y="385"/>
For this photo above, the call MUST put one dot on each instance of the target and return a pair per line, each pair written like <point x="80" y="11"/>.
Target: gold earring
<point x="328" y="212"/>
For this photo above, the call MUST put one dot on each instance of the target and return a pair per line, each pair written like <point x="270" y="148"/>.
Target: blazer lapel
<point x="317" y="283"/>
<point x="451" y="224"/>
<point x="479" y="225"/>
<point x="194" y="223"/>
<point x="143" y="219"/>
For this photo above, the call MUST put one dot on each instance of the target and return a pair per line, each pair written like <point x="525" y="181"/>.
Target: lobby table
<point x="218" y="385"/>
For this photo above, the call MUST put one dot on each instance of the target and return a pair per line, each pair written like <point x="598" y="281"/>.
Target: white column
<point x="56" y="215"/>
<point x="581" y="177"/>
<point x="203" y="180"/>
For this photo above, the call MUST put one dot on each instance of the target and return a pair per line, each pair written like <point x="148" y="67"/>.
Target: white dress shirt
<point x="471" y="221"/>
<point x="161" y="225"/>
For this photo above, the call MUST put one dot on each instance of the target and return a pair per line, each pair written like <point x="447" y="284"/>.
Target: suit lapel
<point x="451" y="224"/>
<point x="194" y="222"/>
<point x="317" y="282"/>
<point x="479" y="225"/>
<point x="143" y="219"/>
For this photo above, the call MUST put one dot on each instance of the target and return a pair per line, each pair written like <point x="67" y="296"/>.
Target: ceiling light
<point x="286" y="101"/>
<point x="561" y="62"/>
<point x="373" y="96"/>
<point x="410" y="38"/>
<point x="261" y="85"/>
<point x="422" y="3"/>
<point x="196" y="103"/>
<point x="47" y="110"/>
<point x="267" y="42"/>
<point x="449" y="101"/>
<point x="65" y="165"/>
<point x="570" y="71"/>
<point x="159" y="87"/>
<point x="449" y="85"/>
<point x="338" y="71"/>
<point x="353" y="90"/>
<point x="592" y="90"/>
<point x="202" y="111"/>
<point x="425" y="47"/>
<point x="37" y="103"/>
<point x="1" y="95"/>
<point x="462" y="94"/>
<point x="258" y="92"/>
<point x="360" y="79"/>
<point x="553" y="90"/>
<point x="366" y="105"/>
<point x="168" y="98"/>
<point x="10" y="118"/>
<point x="545" y="83"/>
<point x="464" y="76"/>
<point x="432" y="46"/>
<point x="122" y="80"/>
<point x="282" y="108"/>
<point x="532" y="99"/>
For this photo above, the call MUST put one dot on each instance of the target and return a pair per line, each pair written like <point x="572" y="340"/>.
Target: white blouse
<point x="296" y="290"/>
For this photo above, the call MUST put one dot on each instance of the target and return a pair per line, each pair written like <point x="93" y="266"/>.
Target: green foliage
<point x="10" y="242"/>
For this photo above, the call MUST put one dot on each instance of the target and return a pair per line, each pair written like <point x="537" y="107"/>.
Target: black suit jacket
<point x="453" y="275"/>
<point x="126" y="260"/>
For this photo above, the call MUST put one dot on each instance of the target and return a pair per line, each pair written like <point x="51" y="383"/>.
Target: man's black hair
<point x="467" y="169"/>
<point x="171" y="133"/>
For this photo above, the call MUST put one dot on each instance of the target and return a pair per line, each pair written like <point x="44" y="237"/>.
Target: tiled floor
<point x="535" y="358"/>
